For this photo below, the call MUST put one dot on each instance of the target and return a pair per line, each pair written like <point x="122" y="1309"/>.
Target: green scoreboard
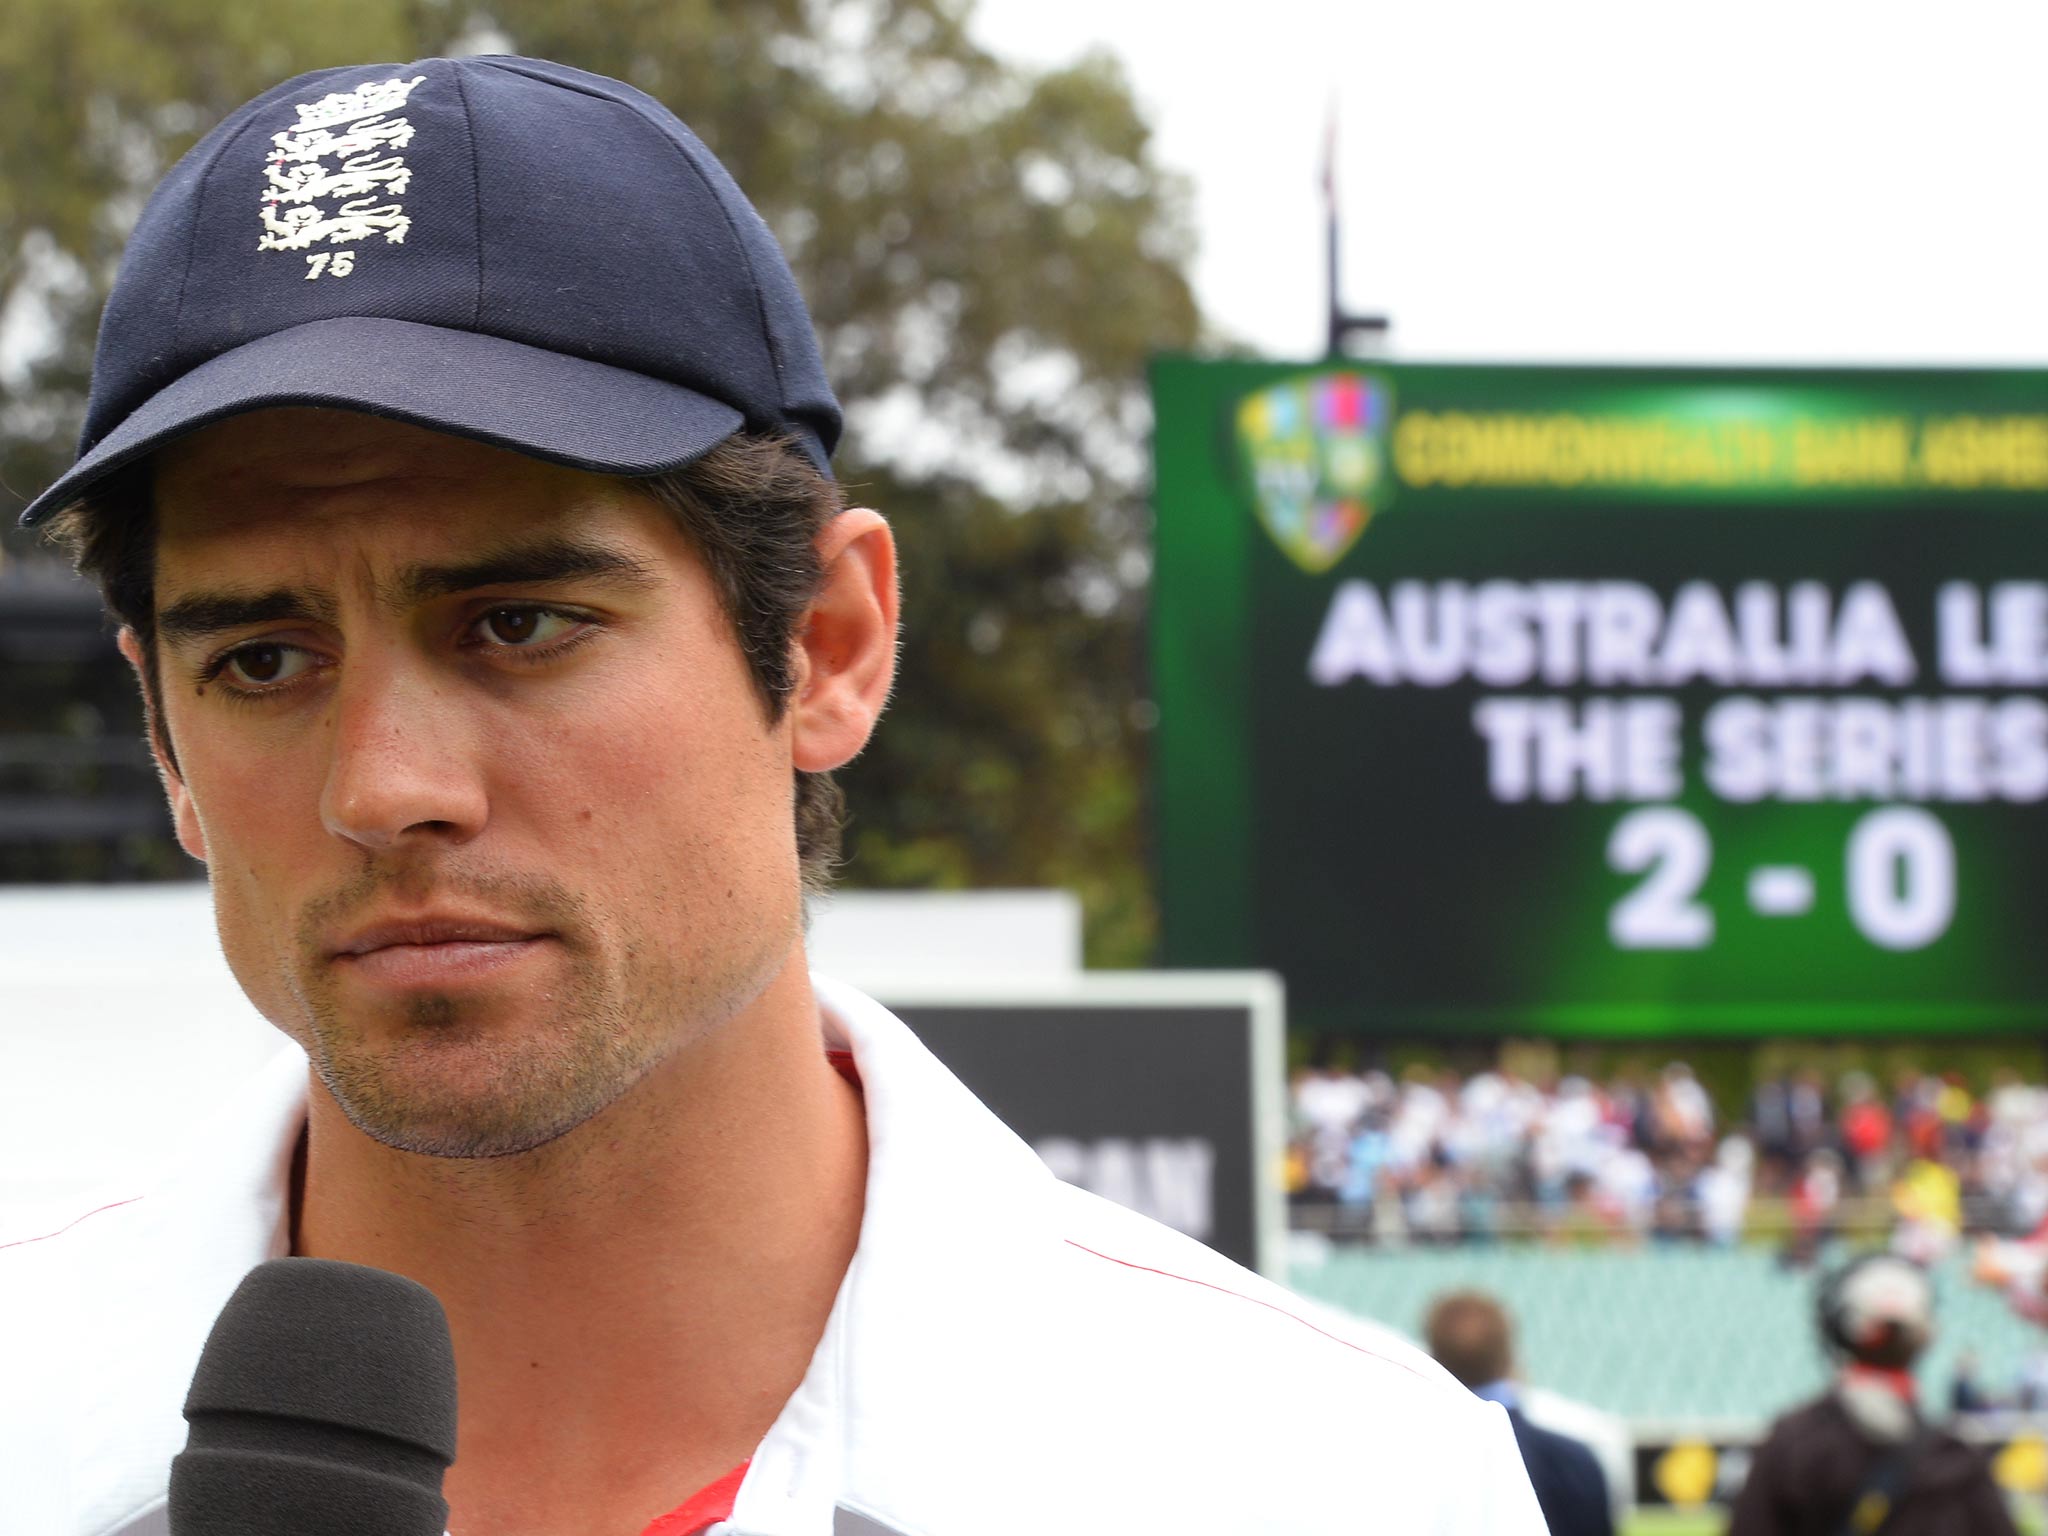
<point x="1606" y="701"/>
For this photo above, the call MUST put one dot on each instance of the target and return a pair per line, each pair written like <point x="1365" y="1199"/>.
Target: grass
<point x="1673" y="1522"/>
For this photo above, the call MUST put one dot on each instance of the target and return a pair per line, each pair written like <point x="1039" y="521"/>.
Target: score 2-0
<point x="1899" y="869"/>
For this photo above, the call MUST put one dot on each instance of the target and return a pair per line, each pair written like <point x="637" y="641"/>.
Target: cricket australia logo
<point x="335" y="178"/>
<point x="1313" y="451"/>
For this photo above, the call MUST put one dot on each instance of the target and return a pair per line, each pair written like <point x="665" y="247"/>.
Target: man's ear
<point x="183" y="817"/>
<point x="846" y="644"/>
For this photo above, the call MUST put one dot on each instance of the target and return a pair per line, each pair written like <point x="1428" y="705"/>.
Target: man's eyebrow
<point x="201" y="614"/>
<point x="548" y="560"/>
<point x="210" y="613"/>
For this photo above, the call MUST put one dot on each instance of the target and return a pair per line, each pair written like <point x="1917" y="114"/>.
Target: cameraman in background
<point x="1861" y="1460"/>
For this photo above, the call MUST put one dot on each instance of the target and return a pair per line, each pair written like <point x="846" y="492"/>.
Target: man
<point x="458" y="466"/>
<point x="1469" y="1335"/>
<point x="1860" y="1459"/>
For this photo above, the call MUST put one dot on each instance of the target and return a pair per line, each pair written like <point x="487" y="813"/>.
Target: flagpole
<point x="1342" y="324"/>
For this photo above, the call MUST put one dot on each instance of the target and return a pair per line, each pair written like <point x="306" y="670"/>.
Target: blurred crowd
<point x="1434" y="1156"/>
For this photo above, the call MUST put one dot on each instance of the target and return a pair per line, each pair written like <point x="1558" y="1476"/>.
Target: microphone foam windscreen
<point x="324" y="1402"/>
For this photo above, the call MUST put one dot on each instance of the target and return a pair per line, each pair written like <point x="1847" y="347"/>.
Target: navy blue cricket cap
<point x="500" y="248"/>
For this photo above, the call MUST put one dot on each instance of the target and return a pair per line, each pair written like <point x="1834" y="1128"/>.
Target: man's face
<point x="494" y="816"/>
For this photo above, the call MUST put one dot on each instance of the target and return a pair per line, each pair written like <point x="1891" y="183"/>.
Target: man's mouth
<point x="432" y="929"/>
<point x="435" y="950"/>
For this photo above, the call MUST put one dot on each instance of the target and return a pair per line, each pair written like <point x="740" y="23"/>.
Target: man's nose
<point x="402" y="764"/>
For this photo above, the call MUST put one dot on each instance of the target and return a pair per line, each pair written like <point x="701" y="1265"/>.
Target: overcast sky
<point x="1742" y="181"/>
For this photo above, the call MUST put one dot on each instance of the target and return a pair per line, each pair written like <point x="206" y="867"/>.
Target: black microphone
<point x="323" y="1405"/>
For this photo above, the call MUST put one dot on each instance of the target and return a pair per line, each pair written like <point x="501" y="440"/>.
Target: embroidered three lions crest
<point x="336" y="177"/>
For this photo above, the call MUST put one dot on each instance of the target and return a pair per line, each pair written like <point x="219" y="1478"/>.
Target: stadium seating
<point x="1665" y="1335"/>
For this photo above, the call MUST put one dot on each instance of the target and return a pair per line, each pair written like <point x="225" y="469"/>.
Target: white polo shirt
<point x="1006" y="1354"/>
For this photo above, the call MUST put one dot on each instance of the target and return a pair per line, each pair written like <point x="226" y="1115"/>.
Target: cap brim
<point x="554" y="406"/>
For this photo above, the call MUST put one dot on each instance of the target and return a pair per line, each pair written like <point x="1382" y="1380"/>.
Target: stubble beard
<point x="460" y="1084"/>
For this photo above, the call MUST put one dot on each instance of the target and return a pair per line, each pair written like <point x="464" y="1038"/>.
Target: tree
<point x="989" y="252"/>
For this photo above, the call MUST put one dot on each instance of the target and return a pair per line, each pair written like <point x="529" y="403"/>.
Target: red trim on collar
<point x="707" y="1506"/>
<point x="842" y="1063"/>
<point x="1255" y="1301"/>
<point x="23" y="1242"/>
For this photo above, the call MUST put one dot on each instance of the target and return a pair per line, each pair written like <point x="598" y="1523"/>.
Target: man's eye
<point x="264" y="665"/>
<point x="524" y="626"/>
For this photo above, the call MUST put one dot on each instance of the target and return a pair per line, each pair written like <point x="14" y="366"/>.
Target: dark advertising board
<point x="1162" y="1093"/>
<point x="1694" y="1472"/>
<point x="1599" y="701"/>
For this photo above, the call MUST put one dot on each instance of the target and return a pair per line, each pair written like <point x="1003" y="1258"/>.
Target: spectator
<point x="1724" y="1190"/>
<point x="1966" y="1395"/>
<point x="1682" y="1117"/>
<point x="1432" y="1203"/>
<point x="1327" y="1100"/>
<point x="1626" y="1189"/>
<point x="1814" y="1199"/>
<point x="1469" y="1334"/>
<point x="1326" y="1105"/>
<point x="1770" y="1112"/>
<point x="1677" y="1202"/>
<point x="1866" y="1133"/>
<point x="2032" y="1396"/>
<point x="1809" y="1113"/>
<point x="1371" y="1149"/>
<point x="1929" y="1202"/>
<point x="1789" y="1115"/>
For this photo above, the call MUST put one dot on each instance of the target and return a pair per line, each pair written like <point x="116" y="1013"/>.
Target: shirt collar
<point x="936" y="1224"/>
<point x="1505" y="1392"/>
